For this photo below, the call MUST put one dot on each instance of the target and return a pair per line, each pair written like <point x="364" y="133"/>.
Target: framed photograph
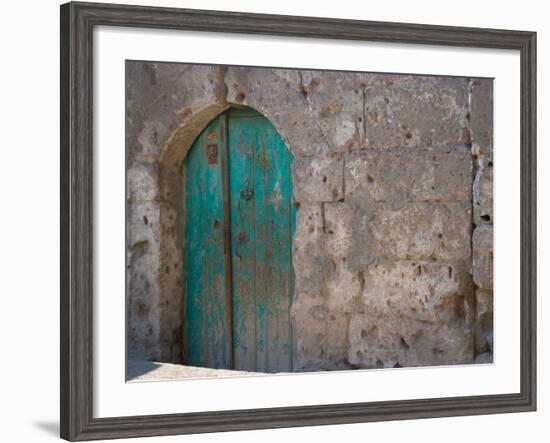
<point x="272" y="221"/>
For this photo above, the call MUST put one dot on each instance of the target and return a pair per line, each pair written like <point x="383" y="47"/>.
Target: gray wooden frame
<point x="77" y="24"/>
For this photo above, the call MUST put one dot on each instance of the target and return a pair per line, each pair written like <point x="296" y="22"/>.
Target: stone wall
<point x="393" y="179"/>
<point x="481" y="104"/>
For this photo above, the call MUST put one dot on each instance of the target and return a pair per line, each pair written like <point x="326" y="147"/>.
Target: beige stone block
<point x="409" y="111"/>
<point x="318" y="179"/>
<point x="482" y="265"/>
<point x="484" y="321"/>
<point x="377" y="342"/>
<point x="409" y="175"/>
<point x="422" y="230"/>
<point x="483" y="192"/>
<point x="481" y="116"/>
<point x="422" y="291"/>
<point x="142" y="181"/>
<point x="312" y="264"/>
<point x="347" y="234"/>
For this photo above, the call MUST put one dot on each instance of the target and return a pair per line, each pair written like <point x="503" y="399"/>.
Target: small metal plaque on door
<point x="212" y="154"/>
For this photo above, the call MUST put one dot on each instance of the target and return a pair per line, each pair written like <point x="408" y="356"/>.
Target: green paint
<point x="254" y="333"/>
<point x="206" y="292"/>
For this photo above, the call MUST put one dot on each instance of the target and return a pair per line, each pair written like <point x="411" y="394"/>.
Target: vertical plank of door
<point x="261" y="248"/>
<point x="205" y="322"/>
<point x="226" y="215"/>
<point x="273" y="254"/>
<point x="241" y="179"/>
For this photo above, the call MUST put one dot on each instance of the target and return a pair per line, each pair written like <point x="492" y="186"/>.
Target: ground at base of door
<point x="141" y="370"/>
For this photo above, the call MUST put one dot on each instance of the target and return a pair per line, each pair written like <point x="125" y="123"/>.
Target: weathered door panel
<point x="242" y="202"/>
<point x="261" y="226"/>
<point x="244" y="324"/>
<point x="207" y="340"/>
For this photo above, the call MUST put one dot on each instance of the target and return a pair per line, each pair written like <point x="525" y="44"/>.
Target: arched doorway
<point x="238" y="275"/>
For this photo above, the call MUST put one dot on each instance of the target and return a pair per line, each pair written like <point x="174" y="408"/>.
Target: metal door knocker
<point x="247" y="192"/>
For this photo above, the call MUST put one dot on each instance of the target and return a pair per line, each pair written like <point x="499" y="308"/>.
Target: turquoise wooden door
<point x="238" y="254"/>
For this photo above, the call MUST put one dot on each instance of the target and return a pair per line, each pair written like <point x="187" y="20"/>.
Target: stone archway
<point x="173" y="219"/>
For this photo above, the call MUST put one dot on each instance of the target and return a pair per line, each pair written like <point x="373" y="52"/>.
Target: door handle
<point x="247" y="193"/>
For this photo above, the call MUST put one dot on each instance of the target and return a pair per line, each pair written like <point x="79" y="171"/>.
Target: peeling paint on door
<point x="237" y="311"/>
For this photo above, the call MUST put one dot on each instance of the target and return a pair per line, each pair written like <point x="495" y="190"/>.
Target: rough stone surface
<point x="413" y="111"/>
<point x="423" y="230"/>
<point x="143" y="267"/>
<point x="483" y="192"/>
<point x="484" y="321"/>
<point x="481" y="128"/>
<point x="412" y="312"/>
<point x="481" y="116"/>
<point x="142" y="179"/>
<point x="387" y="171"/>
<point x="318" y="179"/>
<point x="309" y="257"/>
<point x="482" y="243"/>
<point x="409" y="175"/>
<point x="342" y="222"/>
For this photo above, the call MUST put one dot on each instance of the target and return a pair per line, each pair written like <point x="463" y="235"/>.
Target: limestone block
<point x="171" y="283"/>
<point x="309" y="327"/>
<point x="149" y="140"/>
<point x="483" y="192"/>
<point x="413" y="314"/>
<point x="336" y="343"/>
<point x="484" y="321"/>
<point x="143" y="222"/>
<point x="338" y="103"/>
<point x="142" y="84"/>
<point x="154" y="259"/>
<point x="422" y="230"/>
<point x="400" y="175"/>
<point x="423" y="291"/>
<point x="151" y="80"/>
<point x="143" y="319"/>
<point x="320" y="333"/>
<point x="142" y="181"/>
<point x="143" y="291"/>
<point x="190" y="84"/>
<point x="410" y="111"/>
<point x="160" y="97"/>
<point x="311" y="262"/>
<point x="482" y="265"/>
<point x="484" y="302"/>
<point x="481" y="116"/>
<point x="318" y="179"/>
<point x="377" y="342"/>
<point x="343" y="289"/>
<point x="348" y="238"/>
